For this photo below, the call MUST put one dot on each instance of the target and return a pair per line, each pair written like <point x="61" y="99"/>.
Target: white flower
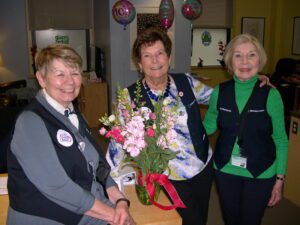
<point x="112" y="118"/>
<point x="154" y="127"/>
<point x="145" y="112"/>
<point x="106" y="122"/>
<point x="166" y="101"/>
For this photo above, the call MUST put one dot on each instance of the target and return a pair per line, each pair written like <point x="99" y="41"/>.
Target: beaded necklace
<point x="154" y="96"/>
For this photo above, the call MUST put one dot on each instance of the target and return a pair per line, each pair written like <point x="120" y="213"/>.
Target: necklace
<point x="157" y="97"/>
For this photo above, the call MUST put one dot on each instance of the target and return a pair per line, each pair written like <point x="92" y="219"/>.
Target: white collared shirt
<point x="59" y="108"/>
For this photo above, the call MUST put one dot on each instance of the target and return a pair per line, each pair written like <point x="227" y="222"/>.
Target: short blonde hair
<point x="242" y="39"/>
<point x="68" y="55"/>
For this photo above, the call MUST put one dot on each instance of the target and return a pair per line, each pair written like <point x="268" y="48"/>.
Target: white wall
<point x="13" y="42"/>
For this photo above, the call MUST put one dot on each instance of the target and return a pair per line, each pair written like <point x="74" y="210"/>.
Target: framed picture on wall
<point x="296" y="36"/>
<point x="208" y="46"/>
<point x="254" y="26"/>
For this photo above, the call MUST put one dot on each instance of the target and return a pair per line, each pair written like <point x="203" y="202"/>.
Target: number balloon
<point x="192" y="9"/>
<point x="166" y="13"/>
<point x="123" y="12"/>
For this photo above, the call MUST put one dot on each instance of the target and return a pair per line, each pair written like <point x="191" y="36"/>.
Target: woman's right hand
<point x="113" y="216"/>
<point x="122" y="215"/>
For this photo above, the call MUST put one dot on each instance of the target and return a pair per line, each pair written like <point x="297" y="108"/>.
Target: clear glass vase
<point x="143" y="196"/>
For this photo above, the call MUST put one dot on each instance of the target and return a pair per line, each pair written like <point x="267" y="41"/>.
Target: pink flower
<point x="152" y="116"/>
<point x="165" y="141"/>
<point x="171" y="136"/>
<point x="102" y="131"/>
<point x="108" y="134"/>
<point x="120" y="138"/>
<point x="162" y="142"/>
<point x="133" y="151"/>
<point x="132" y="105"/>
<point x="125" y="113"/>
<point x="150" y="132"/>
<point x="115" y="133"/>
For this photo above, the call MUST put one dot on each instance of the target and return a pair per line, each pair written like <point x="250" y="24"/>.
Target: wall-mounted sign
<point x="62" y="39"/>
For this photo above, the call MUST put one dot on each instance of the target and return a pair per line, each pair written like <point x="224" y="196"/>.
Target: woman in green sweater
<point x="251" y="150"/>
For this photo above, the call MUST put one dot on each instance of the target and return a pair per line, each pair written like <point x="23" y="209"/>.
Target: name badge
<point x="239" y="161"/>
<point x="64" y="138"/>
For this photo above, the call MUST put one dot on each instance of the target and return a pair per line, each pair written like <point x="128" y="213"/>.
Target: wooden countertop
<point x="4" y="202"/>
<point x="143" y="215"/>
<point x="151" y="215"/>
<point x="3" y="208"/>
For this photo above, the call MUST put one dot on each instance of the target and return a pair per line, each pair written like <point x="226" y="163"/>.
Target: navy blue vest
<point x="25" y="197"/>
<point x="257" y="146"/>
<point x="196" y="129"/>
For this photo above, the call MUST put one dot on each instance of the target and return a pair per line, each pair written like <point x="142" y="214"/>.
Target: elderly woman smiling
<point x="191" y="170"/>
<point x="251" y="150"/>
<point x="56" y="174"/>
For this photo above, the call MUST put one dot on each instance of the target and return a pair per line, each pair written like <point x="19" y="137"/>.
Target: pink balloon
<point x="123" y="12"/>
<point x="166" y="13"/>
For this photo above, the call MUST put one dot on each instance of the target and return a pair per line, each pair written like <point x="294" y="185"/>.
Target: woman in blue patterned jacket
<point x="191" y="170"/>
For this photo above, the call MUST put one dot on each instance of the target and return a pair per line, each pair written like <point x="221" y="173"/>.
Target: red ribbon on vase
<point x="162" y="180"/>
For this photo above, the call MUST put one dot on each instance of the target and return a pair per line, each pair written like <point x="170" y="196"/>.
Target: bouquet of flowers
<point x="145" y="136"/>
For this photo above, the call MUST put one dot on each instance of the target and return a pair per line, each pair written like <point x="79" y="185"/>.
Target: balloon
<point x="123" y="12"/>
<point x="166" y="13"/>
<point x="192" y="9"/>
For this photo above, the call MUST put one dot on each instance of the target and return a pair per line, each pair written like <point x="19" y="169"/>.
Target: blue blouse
<point x="186" y="164"/>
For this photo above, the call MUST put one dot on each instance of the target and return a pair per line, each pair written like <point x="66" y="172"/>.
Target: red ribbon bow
<point x="162" y="180"/>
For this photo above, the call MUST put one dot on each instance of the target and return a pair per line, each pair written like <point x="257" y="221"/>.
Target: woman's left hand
<point x="276" y="195"/>
<point x="265" y="81"/>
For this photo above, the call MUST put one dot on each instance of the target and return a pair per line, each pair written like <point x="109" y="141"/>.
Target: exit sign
<point x="62" y="39"/>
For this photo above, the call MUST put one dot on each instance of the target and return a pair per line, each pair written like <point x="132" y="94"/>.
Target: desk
<point x="143" y="215"/>
<point x="3" y="206"/>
